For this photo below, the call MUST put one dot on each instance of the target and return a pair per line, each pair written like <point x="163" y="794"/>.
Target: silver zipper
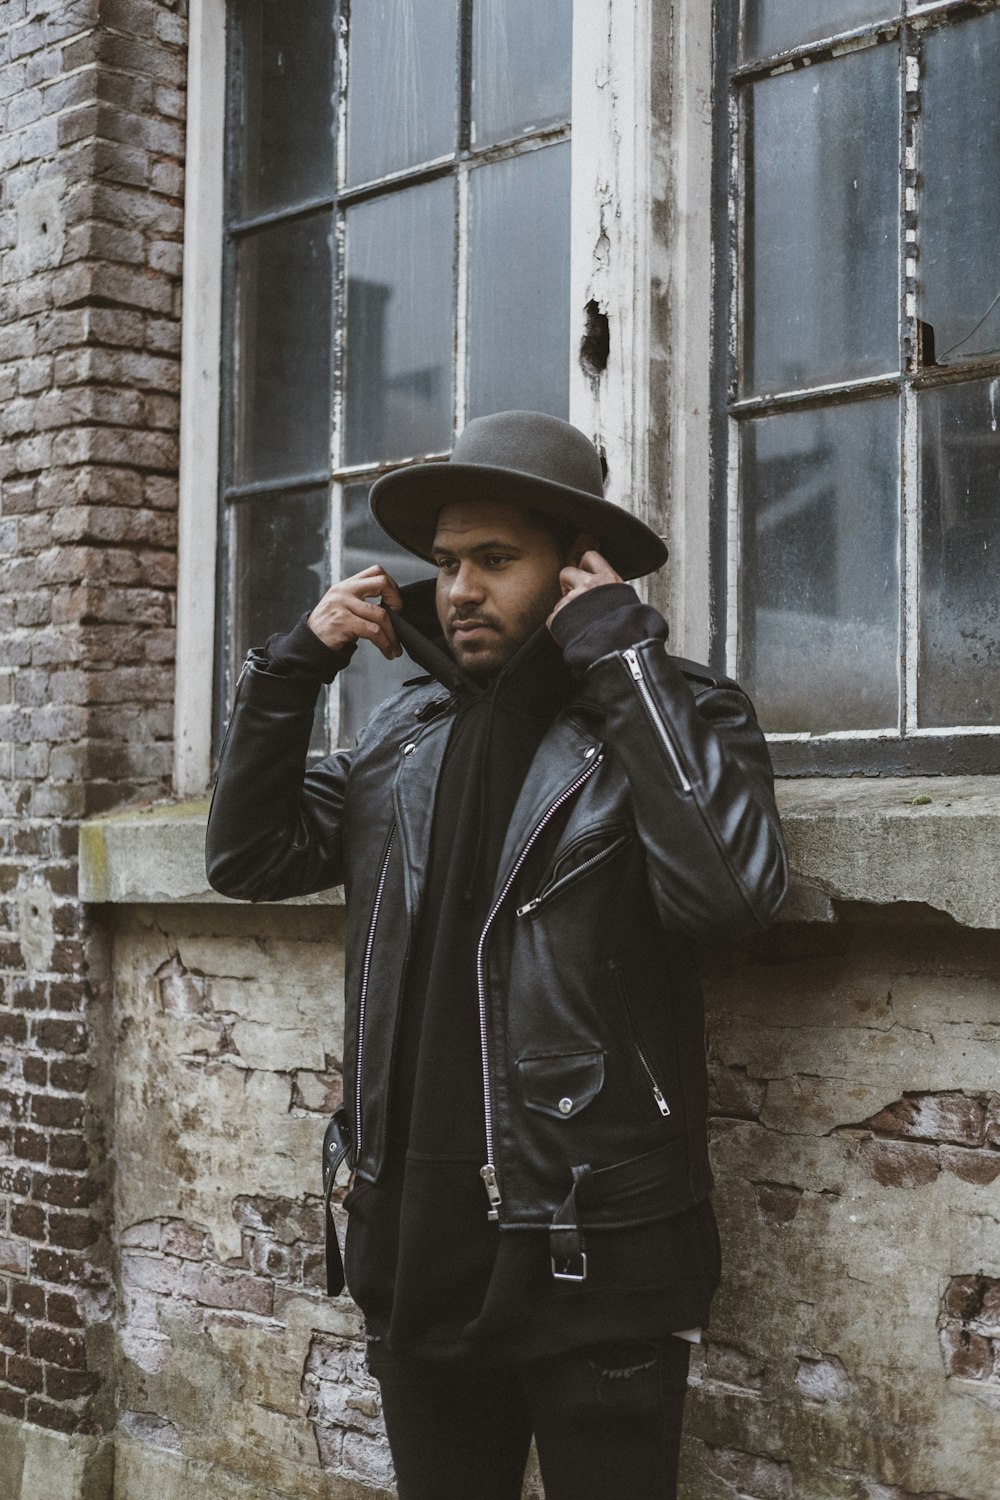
<point x="635" y="668"/>
<point x="550" y="891"/>
<point x="489" y="1172"/>
<point x="658" y="1094"/>
<point x="365" y="972"/>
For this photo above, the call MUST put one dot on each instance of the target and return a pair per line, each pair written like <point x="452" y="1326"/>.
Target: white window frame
<point x="640" y="252"/>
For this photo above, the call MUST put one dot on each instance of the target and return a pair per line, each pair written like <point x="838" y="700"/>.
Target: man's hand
<point x="591" y="572"/>
<point x="344" y="614"/>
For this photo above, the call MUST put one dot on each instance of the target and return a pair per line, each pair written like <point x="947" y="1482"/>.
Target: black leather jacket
<point x="647" y="819"/>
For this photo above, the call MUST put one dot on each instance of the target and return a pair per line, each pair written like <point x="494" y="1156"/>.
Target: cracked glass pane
<point x="286" y="121"/>
<point x="282" y="378"/>
<point x="819" y="593"/>
<point x="775" y="25"/>
<point x="822" y="230"/>
<point x="960" y="211"/>
<point x="959" y="680"/>
<point x="400" y="324"/>
<point x="521" y="67"/>
<point x="821" y="280"/>
<point x="519" y="284"/>
<point x="280" y="565"/>
<point x="402" y="85"/>
<point x="370" y="678"/>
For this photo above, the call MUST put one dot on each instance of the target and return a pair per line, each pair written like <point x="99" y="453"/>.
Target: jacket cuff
<point x="601" y="620"/>
<point x="301" y="654"/>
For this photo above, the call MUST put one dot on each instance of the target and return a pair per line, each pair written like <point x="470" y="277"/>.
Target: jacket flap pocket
<point x="561" y="1084"/>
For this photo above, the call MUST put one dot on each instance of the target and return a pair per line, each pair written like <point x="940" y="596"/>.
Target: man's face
<point x="498" y="581"/>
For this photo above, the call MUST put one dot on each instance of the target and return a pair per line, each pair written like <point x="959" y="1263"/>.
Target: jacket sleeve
<point x="702" y="788"/>
<point x="274" y="828"/>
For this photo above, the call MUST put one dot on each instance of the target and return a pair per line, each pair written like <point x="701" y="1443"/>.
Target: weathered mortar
<point x="853" y="1352"/>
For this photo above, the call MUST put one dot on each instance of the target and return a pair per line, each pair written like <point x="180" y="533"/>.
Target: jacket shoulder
<point x="418" y="700"/>
<point x="703" y="678"/>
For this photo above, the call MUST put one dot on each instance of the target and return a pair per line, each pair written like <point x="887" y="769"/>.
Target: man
<point x="530" y="836"/>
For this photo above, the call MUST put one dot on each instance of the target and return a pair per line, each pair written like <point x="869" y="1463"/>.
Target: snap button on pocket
<point x="561" y="1084"/>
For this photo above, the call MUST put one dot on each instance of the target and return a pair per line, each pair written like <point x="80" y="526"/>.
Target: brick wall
<point x="91" y="140"/>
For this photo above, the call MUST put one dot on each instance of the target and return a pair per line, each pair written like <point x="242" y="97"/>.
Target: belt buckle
<point x="566" y="1260"/>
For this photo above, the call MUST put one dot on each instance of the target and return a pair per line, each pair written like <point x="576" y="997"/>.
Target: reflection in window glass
<point x="402" y="87"/>
<point x="819" y="593"/>
<point x="400" y="324"/>
<point x="282" y="383"/>
<point x="280" y="567"/>
<point x="821" y="279"/>
<point x="521" y="66"/>
<point x="370" y="677"/>
<point x="519" y="284"/>
<point x="776" y="25"/>
<point x="959" y="681"/>
<point x="960" y="225"/>
<point x="286" y="136"/>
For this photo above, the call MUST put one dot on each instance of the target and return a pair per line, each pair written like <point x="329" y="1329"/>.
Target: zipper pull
<point x="661" y="1103"/>
<point x="489" y="1176"/>
<point x="246" y="662"/>
<point x="522" y="911"/>
<point x="633" y="663"/>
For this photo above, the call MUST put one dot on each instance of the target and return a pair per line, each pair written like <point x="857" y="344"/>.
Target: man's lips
<point x="466" y="630"/>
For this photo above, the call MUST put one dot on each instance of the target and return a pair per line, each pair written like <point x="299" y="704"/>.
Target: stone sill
<point x="933" y="840"/>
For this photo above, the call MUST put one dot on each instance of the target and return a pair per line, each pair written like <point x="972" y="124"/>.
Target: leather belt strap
<point x="568" y="1257"/>
<point x="336" y="1145"/>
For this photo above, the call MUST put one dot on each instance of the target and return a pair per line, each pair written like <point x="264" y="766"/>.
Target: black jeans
<point x="606" y="1421"/>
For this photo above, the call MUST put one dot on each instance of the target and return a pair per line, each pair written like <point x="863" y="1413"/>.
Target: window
<point x="396" y="262"/>
<point x="856" y="449"/>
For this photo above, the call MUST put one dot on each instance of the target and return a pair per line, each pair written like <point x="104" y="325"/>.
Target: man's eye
<point x="444" y="566"/>
<point x="496" y="560"/>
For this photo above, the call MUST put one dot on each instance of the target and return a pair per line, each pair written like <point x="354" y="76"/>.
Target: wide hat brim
<point x="406" y="504"/>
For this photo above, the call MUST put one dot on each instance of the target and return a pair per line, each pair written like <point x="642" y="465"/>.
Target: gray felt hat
<point x="519" y="458"/>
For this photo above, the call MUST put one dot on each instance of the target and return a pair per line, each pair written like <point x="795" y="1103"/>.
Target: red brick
<point x="28" y="1220"/>
<point x="953" y="1117"/>
<point x="72" y="1231"/>
<point x="64" y="1190"/>
<point x="27" y="1299"/>
<point x="60" y="1036"/>
<point x="13" y="1334"/>
<point x="62" y="1309"/>
<point x="26" y="1374"/>
<point x="67" y="1385"/>
<point x="44" y="1414"/>
<point x="48" y="1109"/>
<point x="12" y="1403"/>
<point x="898" y="1163"/>
<point x="30" y="1145"/>
<point x="68" y="1151"/>
<point x="55" y="1346"/>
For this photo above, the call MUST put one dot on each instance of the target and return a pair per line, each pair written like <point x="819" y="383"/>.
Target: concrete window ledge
<point x="934" y="840"/>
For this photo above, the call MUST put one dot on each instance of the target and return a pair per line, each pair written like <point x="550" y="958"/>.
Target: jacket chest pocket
<point x="561" y="1084"/>
<point x="579" y="858"/>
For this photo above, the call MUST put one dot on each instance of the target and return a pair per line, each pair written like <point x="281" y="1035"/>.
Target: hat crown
<point x="532" y="442"/>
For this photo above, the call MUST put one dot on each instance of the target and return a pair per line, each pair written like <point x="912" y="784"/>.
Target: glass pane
<point x="400" y="324"/>
<point x="822" y="227"/>
<point x="519" y="284"/>
<point x="521" y="66"/>
<point x="370" y="677"/>
<point x="402" y="85"/>
<point x="960" y="223"/>
<point x="280" y="570"/>
<point x="286" y="123"/>
<point x="960" y="555"/>
<point x="819" y="636"/>
<point x="282" y="351"/>
<point x="776" y="25"/>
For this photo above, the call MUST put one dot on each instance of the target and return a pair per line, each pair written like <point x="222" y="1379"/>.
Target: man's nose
<point x="466" y="586"/>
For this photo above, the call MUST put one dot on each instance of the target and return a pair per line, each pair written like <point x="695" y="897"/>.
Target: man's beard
<point x="484" y="657"/>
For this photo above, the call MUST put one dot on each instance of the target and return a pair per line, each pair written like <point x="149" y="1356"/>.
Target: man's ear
<point x="583" y="542"/>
